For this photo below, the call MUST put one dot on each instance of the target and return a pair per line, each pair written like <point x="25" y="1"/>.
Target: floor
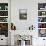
<point x="3" y="45"/>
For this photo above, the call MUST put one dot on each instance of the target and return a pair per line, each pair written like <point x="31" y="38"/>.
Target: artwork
<point x="23" y="14"/>
<point x="42" y="32"/>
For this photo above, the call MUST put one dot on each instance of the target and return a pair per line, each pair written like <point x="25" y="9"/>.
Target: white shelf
<point x="3" y="10"/>
<point x="42" y="16"/>
<point x="41" y="28"/>
<point x="41" y="22"/>
<point x="3" y="22"/>
<point x="3" y="16"/>
<point x="41" y="10"/>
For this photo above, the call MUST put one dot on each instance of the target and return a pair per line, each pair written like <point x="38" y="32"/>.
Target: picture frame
<point x="23" y="14"/>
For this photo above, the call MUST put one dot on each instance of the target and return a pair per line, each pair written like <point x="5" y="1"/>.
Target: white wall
<point x="4" y="41"/>
<point x="32" y="13"/>
<point x="3" y="1"/>
<point x="31" y="7"/>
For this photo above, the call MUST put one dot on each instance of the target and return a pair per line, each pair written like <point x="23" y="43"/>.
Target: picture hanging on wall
<point x="23" y="14"/>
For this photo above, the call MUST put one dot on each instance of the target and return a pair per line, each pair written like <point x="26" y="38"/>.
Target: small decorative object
<point x="43" y="39"/>
<point x="45" y="7"/>
<point x="3" y="26"/>
<point x="41" y="8"/>
<point x="3" y="19"/>
<point x="43" y="25"/>
<point x="0" y="7"/>
<point x="3" y="13"/>
<point x="42" y="32"/>
<point x="6" y="7"/>
<point x="43" y="13"/>
<point x="23" y="14"/>
<point x="13" y="27"/>
<point x="41" y="19"/>
<point x="4" y="29"/>
<point x="31" y="27"/>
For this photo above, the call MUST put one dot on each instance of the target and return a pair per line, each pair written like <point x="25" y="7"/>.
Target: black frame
<point x="23" y="14"/>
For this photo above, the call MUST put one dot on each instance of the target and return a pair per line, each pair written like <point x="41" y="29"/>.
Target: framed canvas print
<point x="23" y="14"/>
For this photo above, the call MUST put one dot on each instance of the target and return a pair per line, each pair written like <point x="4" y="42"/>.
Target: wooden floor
<point x="3" y="45"/>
